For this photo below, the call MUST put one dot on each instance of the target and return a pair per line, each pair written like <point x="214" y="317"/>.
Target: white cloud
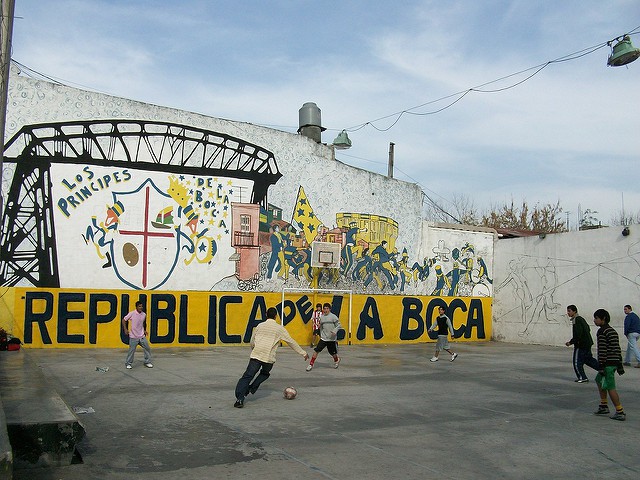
<point x="571" y="128"/>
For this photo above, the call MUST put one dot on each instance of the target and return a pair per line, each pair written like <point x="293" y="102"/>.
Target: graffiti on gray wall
<point x="536" y="290"/>
<point x="532" y="283"/>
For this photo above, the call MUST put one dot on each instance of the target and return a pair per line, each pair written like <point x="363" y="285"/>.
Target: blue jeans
<point x="245" y="385"/>
<point x="632" y="347"/>
<point x="582" y="357"/>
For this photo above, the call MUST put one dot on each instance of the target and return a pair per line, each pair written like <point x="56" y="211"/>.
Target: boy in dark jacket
<point x="444" y="326"/>
<point x="610" y="360"/>
<point x="582" y="343"/>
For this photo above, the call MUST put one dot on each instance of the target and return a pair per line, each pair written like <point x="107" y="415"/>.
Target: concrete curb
<point x="6" y="453"/>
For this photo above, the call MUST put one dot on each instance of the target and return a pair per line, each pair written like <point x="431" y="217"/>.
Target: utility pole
<point x="6" y="31"/>
<point x="579" y="219"/>
<point x="390" y="170"/>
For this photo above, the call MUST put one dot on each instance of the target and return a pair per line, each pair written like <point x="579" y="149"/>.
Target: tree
<point x="462" y="210"/>
<point x="589" y="220"/>
<point x="625" y="218"/>
<point x="542" y="218"/>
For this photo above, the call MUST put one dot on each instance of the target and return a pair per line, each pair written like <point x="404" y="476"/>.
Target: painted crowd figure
<point x="375" y="266"/>
<point x="276" y="261"/>
<point x="350" y="247"/>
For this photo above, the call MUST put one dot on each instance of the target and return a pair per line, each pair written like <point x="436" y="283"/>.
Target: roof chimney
<point x="310" y="123"/>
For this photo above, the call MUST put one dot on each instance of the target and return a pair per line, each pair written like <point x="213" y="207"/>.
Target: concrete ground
<point x="498" y="411"/>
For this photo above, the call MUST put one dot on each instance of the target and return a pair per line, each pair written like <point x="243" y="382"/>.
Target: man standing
<point x="135" y="326"/>
<point x="632" y="332"/>
<point x="329" y="327"/>
<point x="582" y="343"/>
<point x="265" y="340"/>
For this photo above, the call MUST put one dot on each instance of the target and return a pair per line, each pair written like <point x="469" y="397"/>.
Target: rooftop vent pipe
<point x="310" y="122"/>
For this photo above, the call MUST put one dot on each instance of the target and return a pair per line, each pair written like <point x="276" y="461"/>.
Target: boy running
<point x="329" y="327"/>
<point x="443" y="324"/>
<point x="582" y="342"/>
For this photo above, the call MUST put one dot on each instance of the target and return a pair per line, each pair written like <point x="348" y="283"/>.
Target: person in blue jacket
<point x="632" y="332"/>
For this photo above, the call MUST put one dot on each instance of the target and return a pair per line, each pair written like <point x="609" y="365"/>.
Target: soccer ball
<point x="290" y="393"/>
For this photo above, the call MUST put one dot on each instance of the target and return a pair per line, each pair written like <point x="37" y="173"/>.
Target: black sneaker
<point x="240" y="404"/>
<point x="602" y="410"/>
<point x="619" y="416"/>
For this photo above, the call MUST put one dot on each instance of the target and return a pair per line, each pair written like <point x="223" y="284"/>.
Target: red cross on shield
<point x="156" y="248"/>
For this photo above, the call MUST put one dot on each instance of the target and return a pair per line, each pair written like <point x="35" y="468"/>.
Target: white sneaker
<point x="335" y="364"/>
<point x="454" y="356"/>
<point x="129" y="367"/>
<point x="434" y="359"/>
<point x="309" y="367"/>
<point x="148" y="365"/>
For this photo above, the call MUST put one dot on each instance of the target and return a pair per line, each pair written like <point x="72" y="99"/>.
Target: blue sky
<point x="569" y="133"/>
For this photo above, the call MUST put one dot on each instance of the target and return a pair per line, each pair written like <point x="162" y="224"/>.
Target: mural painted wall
<point x="108" y="193"/>
<point x="536" y="278"/>
<point x="457" y="260"/>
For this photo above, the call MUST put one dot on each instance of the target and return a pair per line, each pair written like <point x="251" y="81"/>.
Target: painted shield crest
<point x="145" y="250"/>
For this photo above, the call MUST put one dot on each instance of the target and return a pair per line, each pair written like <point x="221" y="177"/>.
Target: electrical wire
<point x="30" y="72"/>
<point x="479" y="88"/>
<point x="410" y="111"/>
<point x="423" y="188"/>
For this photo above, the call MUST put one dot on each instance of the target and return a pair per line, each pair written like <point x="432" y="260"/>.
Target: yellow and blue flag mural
<point x="304" y="218"/>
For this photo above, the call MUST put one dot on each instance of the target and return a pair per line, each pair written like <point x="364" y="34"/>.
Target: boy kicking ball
<point x="265" y="341"/>
<point x="443" y="324"/>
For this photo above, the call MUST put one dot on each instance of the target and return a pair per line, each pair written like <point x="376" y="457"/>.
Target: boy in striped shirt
<point x="610" y="361"/>
<point x="316" y="323"/>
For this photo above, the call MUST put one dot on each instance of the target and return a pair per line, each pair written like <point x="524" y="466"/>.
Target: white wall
<point x="536" y="278"/>
<point x="330" y="186"/>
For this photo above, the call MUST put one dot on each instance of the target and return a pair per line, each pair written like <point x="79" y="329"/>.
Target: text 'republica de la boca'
<point x="57" y="317"/>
